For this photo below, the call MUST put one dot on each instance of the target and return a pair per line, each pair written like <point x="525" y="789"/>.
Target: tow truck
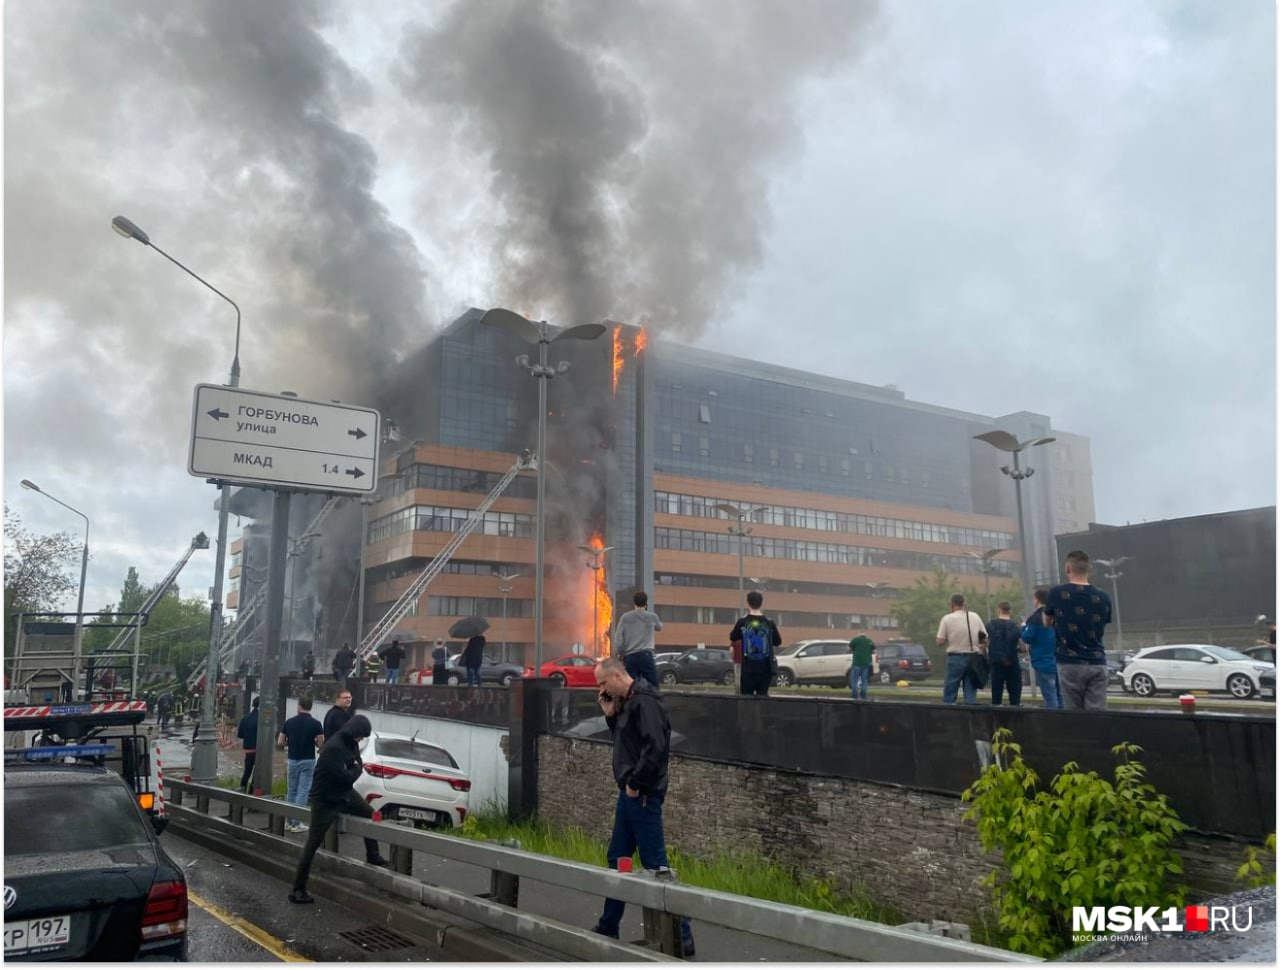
<point x="104" y="734"/>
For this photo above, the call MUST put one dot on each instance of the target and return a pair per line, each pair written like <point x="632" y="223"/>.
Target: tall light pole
<point x="1114" y="574"/>
<point x="505" y="587"/>
<point x="1004" y="441"/>
<point x="77" y="648"/>
<point x="364" y="541"/>
<point x="538" y="333"/>
<point x="295" y="550"/>
<point x="204" y="753"/>
<point x="595" y="566"/>
<point x="984" y="563"/>
<point x="741" y="532"/>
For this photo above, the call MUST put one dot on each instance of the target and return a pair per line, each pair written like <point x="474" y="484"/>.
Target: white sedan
<point x="1194" y="667"/>
<point x="405" y="778"/>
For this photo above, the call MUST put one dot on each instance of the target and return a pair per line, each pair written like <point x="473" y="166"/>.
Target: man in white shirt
<point x="963" y="634"/>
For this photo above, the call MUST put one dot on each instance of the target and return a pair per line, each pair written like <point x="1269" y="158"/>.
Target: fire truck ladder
<point x="201" y="541"/>
<point x="382" y="629"/>
<point x="227" y="643"/>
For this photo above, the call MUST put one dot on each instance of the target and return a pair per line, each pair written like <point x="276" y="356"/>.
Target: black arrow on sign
<point x="355" y="473"/>
<point x="358" y="434"/>
<point x="218" y="414"/>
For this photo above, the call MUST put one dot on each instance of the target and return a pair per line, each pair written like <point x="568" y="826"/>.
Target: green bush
<point x="1083" y="842"/>
<point x="1252" y="873"/>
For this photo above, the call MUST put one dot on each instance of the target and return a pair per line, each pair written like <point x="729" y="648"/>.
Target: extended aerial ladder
<point x="382" y="629"/>
<point x="201" y="541"/>
<point x="249" y="611"/>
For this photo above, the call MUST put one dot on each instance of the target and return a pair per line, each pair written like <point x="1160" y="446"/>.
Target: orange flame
<point x="601" y="613"/>
<point x="642" y="341"/>
<point x="617" y="356"/>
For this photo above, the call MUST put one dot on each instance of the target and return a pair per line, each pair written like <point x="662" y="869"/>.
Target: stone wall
<point x="910" y="848"/>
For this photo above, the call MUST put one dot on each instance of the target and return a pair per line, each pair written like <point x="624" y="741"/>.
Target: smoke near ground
<point x="630" y="145"/>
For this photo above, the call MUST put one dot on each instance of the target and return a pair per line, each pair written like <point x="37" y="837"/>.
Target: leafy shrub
<point x="1083" y="842"/>
<point x="1253" y="873"/>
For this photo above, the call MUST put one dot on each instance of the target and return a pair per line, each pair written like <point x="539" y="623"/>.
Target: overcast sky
<point x="997" y="206"/>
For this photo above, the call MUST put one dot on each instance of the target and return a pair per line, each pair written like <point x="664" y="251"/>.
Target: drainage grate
<point x="377" y="939"/>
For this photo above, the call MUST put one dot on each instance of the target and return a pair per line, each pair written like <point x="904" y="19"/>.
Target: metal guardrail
<point x="664" y="902"/>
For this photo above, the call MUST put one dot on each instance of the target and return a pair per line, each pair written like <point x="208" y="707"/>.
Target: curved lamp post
<point x="595" y="567"/>
<point x="1114" y="574"/>
<point x="1004" y="441"/>
<point x="985" y="565"/>
<point x="540" y="334"/>
<point x="204" y="753"/>
<point x="77" y="648"/>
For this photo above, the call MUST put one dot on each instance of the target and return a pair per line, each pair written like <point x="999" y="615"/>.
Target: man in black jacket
<point x="641" y="746"/>
<point x="344" y="662"/>
<point x="339" y="714"/>
<point x="337" y="770"/>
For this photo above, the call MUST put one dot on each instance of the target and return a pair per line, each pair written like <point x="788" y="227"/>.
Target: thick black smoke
<point x="630" y="145"/>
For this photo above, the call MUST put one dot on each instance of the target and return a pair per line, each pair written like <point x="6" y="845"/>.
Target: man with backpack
<point x="754" y="638"/>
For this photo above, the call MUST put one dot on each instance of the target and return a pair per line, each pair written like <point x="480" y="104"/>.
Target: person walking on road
<point x="1079" y="613"/>
<point x="754" y="638"/>
<point x="338" y="715"/>
<point x="472" y="658"/>
<point x="962" y="633"/>
<point x="1003" y="646"/>
<point x="1041" y="643"/>
<point x="439" y="665"/>
<point x="344" y="661"/>
<point x="863" y="648"/>
<point x="637" y="718"/>
<point x="337" y="771"/>
<point x="633" y="639"/>
<point x="301" y="735"/>
<point x="393" y="657"/>
<point x="247" y="732"/>
<point x="164" y="709"/>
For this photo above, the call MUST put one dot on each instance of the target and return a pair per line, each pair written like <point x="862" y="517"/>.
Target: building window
<point x="798" y="458"/>
<point x="773" y="457"/>
<point x="704" y="413"/>
<point x="749" y="454"/>
<point x="845" y="467"/>
<point x="869" y="471"/>
<point x="822" y="464"/>
<point x="675" y="442"/>
<point x="704" y="446"/>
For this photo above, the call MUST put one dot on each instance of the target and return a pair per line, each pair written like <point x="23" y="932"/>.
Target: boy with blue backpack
<point x="754" y="638"/>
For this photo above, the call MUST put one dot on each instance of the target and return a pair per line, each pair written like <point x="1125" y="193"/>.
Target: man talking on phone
<point x="641" y="732"/>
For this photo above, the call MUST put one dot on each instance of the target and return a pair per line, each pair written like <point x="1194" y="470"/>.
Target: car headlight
<point x="1263" y="670"/>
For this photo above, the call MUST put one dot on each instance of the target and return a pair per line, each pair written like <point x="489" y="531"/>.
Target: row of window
<point x="412" y="567"/>
<point x="446" y="479"/>
<point x="701" y="506"/>
<point x="435" y="518"/>
<point x="728" y="615"/>
<point x="687" y="540"/>
<point x="876" y="590"/>
<point x="488" y="606"/>
<point x="797" y="460"/>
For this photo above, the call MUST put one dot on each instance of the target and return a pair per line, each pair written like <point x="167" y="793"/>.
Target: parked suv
<point x="814" y="662"/>
<point x="903" y="661"/>
<point x="696" y="666"/>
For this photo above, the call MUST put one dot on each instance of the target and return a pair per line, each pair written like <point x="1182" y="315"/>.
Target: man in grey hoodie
<point x="633" y="639"/>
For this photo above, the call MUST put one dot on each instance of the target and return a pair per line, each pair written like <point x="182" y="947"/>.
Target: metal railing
<point x="664" y="902"/>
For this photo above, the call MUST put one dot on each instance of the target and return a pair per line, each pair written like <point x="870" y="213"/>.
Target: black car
<point x="1262" y="651"/>
<point x="903" y="661"/>
<point x="85" y="876"/>
<point x="696" y="666"/>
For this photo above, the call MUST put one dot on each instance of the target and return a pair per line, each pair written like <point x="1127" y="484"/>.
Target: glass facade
<point x="485" y="398"/>
<point x="726" y="616"/>
<point x="446" y="479"/>
<point x="764" y="547"/>
<point x="488" y="606"/>
<point x="778" y="585"/>
<point x="742" y="427"/>
<point x="435" y="518"/>
<point x="824" y="521"/>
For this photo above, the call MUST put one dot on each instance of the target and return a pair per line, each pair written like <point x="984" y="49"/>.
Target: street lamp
<point x="505" y="587"/>
<point x="877" y="589"/>
<point x="741" y="532"/>
<point x="538" y="333"/>
<point x="985" y="565"/>
<point x="1114" y="574"/>
<point x="1004" y="441"/>
<point x="595" y="567"/>
<point x="759" y="582"/>
<point x="295" y="550"/>
<point x="78" y="642"/>
<point x="204" y="753"/>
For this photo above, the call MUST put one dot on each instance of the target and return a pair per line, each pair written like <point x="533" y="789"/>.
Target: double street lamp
<point x="1113" y="573"/>
<point x="595" y="566"/>
<point x="539" y="333"/>
<point x="1004" y="441"/>
<point x="505" y="588"/>
<point x="985" y="565"/>
<point x="204" y="753"/>
<point x="78" y="643"/>
<point x="739" y="530"/>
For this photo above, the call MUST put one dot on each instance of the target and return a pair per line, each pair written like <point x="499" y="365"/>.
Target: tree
<point x="39" y="570"/>
<point x="920" y="608"/>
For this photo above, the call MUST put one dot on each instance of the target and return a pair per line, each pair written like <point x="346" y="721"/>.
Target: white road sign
<point x="272" y="439"/>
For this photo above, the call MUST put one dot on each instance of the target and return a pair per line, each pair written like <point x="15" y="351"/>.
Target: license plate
<point x="45" y="933"/>
<point x="417" y="813"/>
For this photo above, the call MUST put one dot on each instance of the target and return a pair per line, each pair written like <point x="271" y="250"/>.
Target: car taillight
<point x="904" y="664"/>
<point x="166" y="911"/>
<point x="459" y="784"/>
<point x="381" y="771"/>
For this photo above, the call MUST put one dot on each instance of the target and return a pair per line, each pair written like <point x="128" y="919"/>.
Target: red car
<point x="569" y="671"/>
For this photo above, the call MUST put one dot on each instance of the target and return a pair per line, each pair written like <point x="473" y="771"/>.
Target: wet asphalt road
<point x="238" y="893"/>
